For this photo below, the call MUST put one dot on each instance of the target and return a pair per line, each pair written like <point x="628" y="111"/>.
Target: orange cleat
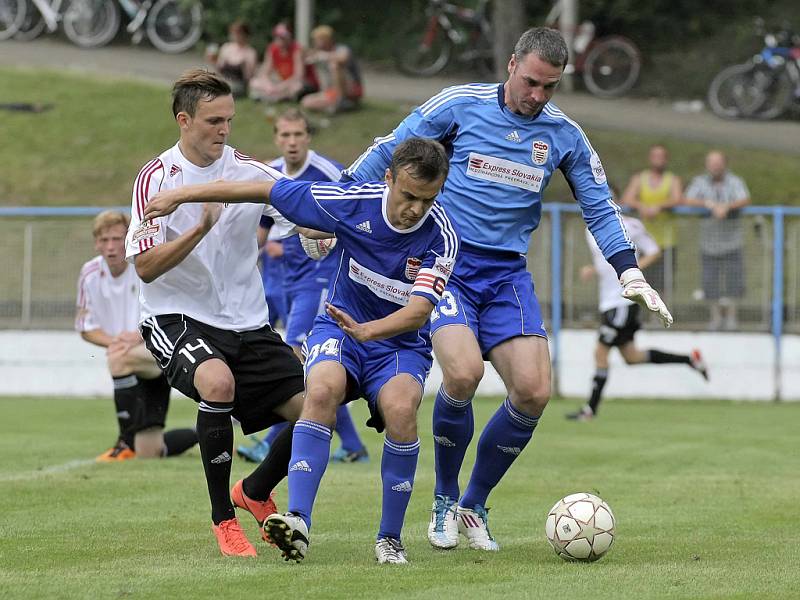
<point x="120" y="451"/>
<point x="260" y="509"/>
<point x="232" y="540"/>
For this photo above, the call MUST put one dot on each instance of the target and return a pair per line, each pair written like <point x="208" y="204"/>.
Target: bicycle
<point x="764" y="87"/>
<point x="609" y="66"/>
<point x="450" y="32"/>
<point x="12" y="14"/>
<point x="85" y="23"/>
<point x="170" y="25"/>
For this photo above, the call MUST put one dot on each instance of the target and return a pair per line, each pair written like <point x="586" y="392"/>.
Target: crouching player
<point x="398" y="250"/>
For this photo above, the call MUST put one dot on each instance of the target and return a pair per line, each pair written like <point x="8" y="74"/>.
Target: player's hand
<point x="130" y="337"/>
<point x="317" y="249"/>
<point x="636" y="289"/>
<point x="211" y="214"/>
<point x="165" y="203"/>
<point x="357" y="331"/>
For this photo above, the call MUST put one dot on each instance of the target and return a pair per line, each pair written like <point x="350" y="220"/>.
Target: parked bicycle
<point x="766" y="86"/>
<point x="450" y="32"/>
<point x="609" y="66"/>
<point x="170" y="25"/>
<point x="12" y="13"/>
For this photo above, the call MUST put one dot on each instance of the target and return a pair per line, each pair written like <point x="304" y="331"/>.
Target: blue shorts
<point x="369" y="366"/>
<point x="304" y="307"/>
<point x="492" y="294"/>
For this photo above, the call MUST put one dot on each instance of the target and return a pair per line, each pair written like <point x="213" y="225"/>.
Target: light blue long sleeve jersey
<point x="500" y="164"/>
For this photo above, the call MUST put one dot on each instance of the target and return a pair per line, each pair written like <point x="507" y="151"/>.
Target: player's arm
<point x="98" y="337"/>
<point x="154" y="262"/>
<point x="167" y="201"/>
<point x="433" y="119"/>
<point x="411" y="317"/>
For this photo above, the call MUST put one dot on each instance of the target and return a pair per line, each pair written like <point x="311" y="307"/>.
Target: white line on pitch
<point x="52" y="470"/>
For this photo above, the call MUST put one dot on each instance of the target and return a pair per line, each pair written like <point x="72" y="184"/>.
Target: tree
<point x="508" y="23"/>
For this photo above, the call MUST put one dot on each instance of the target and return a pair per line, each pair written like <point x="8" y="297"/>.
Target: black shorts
<point x="619" y="325"/>
<point x="265" y="369"/>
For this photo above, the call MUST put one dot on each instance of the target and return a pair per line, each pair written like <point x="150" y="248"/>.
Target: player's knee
<point x="323" y="395"/>
<point x="117" y="365"/>
<point x="401" y="421"/>
<point x="220" y="388"/>
<point x="532" y="398"/>
<point x="462" y="380"/>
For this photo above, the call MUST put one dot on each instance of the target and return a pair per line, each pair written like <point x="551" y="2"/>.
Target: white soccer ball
<point x="580" y="527"/>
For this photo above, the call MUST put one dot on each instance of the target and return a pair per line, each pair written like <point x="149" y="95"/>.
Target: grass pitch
<point x="705" y="495"/>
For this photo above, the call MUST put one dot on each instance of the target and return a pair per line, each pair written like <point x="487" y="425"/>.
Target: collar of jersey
<point x="190" y="166"/>
<point x="384" y="202"/>
<point x="520" y="119"/>
<point x="301" y="170"/>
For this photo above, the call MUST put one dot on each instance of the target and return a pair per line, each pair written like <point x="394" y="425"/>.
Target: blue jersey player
<point x="398" y="249"/>
<point x="305" y="281"/>
<point x="504" y="141"/>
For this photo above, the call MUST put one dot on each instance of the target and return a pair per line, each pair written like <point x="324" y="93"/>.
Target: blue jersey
<point x="380" y="267"/>
<point x="500" y="164"/>
<point x="301" y="272"/>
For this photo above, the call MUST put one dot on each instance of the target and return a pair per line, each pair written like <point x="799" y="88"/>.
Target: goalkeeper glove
<point x="317" y="249"/>
<point x="636" y="289"/>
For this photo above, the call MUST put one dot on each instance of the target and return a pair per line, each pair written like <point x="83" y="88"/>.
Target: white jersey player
<point x="619" y="317"/>
<point x="108" y="315"/>
<point x="204" y="317"/>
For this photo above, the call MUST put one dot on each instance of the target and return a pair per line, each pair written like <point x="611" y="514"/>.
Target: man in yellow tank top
<point x="652" y="193"/>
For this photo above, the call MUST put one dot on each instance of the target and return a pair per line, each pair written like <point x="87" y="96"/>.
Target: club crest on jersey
<point x="539" y="152"/>
<point x="412" y="267"/>
<point x="147" y="229"/>
<point x="597" y="168"/>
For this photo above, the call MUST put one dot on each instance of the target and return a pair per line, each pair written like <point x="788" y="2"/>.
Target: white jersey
<point x="107" y="302"/>
<point x="218" y="283"/>
<point x="609" y="288"/>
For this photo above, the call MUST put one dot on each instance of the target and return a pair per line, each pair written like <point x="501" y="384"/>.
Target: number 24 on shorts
<point x="329" y="347"/>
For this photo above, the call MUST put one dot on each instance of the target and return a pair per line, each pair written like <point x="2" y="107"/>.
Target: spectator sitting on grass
<point x="338" y="71"/>
<point x="237" y="59"/>
<point x="283" y="75"/>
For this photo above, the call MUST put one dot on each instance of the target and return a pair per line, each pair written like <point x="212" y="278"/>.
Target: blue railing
<point x="555" y="211"/>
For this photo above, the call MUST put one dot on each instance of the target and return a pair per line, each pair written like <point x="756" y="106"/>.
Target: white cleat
<point x="443" y="527"/>
<point x="474" y="525"/>
<point x="289" y="533"/>
<point x="389" y="551"/>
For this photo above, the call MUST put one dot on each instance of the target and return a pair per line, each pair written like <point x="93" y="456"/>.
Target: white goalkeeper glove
<point x="636" y="289"/>
<point x="317" y="249"/>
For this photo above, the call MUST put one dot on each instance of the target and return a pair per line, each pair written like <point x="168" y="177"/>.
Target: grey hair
<point x="548" y="44"/>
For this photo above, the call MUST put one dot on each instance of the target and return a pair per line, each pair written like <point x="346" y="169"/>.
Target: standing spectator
<point x="652" y="193"/>
<point x="237" y="59"/>
<point x="283" y="76"/>
<point x="338" y="71"/>
<point x="721" y="239"/>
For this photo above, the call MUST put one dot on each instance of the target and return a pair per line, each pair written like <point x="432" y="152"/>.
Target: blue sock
<point x="453" y="426"/>
<point x="274" y="432"/>
<point x="505" y="436"/>
<point x="398" y="466"/>
<point x="347" y="430"/>
<point x="311" y="444"/>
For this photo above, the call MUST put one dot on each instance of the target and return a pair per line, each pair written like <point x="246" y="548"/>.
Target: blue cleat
<point x="348" y="456"/>
<point x="255" y="453"/>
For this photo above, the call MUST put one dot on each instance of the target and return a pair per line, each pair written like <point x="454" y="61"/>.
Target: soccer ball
<point x="580" y="527"/>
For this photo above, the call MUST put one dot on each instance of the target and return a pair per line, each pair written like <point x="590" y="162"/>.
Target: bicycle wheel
<point x="12" y="14"/>
<point x="776" y="96"/>
<point x="729" y="90"/>
<point x="91" y="23"/>
<point x="422" y="52"/>
<point x="611" y="67"/>
<point x="175" y="25"/>
<point x="32" y="25"/>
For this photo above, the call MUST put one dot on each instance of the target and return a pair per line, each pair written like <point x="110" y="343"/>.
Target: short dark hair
<point x="546" y="43"/>
<point x="423" y="159"/>
<point x="195" y="85"/>
<point x="292" y="114"/>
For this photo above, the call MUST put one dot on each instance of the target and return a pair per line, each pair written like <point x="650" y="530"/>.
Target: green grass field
<point x="705" y="495"/>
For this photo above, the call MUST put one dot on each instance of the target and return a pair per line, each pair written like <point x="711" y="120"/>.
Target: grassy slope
<point x="90" y="147"/>
<point x="704" y="493"/>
